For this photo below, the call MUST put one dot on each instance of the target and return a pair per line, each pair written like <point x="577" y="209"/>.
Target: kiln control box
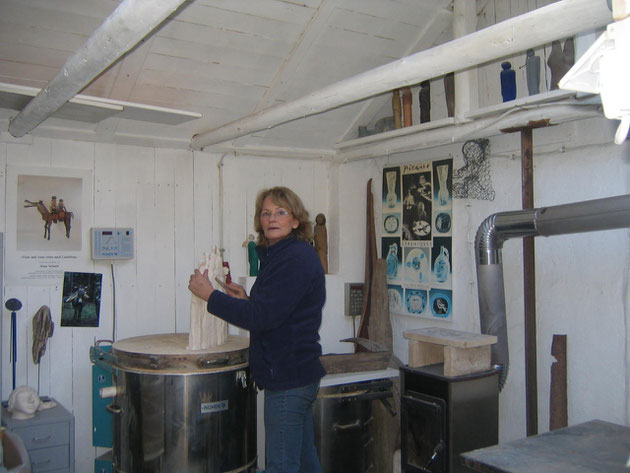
<point x="112" y="243"/>
<point x="353" y="300"/>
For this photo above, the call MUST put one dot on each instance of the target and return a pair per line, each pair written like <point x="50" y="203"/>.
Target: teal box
<point x="102" y="422"/>
<point x="104" y="463"/>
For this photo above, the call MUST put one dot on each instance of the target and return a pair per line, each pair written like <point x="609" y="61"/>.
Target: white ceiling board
<point x="225" y="59"/>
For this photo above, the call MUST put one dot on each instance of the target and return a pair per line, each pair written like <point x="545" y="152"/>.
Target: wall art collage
<point x="416" y="238"/>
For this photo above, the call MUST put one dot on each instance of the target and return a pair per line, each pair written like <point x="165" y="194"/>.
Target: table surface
<point x="594" y="446"/>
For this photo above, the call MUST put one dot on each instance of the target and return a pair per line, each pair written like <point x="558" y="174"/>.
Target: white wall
<point x="581" y="280"/>
<point x="171" y="199"/>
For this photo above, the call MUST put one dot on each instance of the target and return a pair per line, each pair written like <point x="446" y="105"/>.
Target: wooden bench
<point x="461" y="352"/>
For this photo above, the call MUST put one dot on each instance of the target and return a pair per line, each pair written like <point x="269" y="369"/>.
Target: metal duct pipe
<point x="122" y="30"/>
<point x="593" y="215"/>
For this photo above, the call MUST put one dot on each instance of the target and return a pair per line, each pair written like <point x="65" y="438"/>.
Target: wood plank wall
<point x="171" y="199"/>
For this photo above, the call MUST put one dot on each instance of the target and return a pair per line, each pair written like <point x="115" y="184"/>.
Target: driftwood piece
<point x="558" y="417"/>
<point x="370" y="258"/>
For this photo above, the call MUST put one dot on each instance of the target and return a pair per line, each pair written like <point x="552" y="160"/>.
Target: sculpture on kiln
<point x="24" y="402"/>
<point x="206" y="331"/>
<point x="321" y="240"/>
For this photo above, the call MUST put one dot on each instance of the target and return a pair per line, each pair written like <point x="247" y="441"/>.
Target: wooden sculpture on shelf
<point x="207" y="331"/>
<point x="320" y="237"/>
<point x="407" y="103"/>
<point x="397" y="109"/>
<point x="424" y="100"/>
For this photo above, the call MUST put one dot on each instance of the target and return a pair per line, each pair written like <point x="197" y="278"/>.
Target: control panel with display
<point x="112" y="243"/>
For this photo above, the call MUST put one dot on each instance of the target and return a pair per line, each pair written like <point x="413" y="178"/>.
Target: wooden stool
<point x="461" y="352"/>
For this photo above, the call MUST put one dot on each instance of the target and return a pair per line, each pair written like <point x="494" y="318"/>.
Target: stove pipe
<point x="592" y="215"/>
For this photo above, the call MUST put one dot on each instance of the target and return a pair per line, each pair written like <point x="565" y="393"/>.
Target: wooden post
<point x="529" y="276"/>
<point x="558" y="416"/>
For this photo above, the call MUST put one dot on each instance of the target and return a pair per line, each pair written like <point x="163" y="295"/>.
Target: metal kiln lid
<point x="167" y="353"/>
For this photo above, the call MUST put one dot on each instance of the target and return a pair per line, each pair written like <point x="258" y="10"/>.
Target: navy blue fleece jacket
<point x="283" y="315"/>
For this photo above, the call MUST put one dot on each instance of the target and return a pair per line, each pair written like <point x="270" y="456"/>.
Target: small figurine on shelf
<point x="252" y="255"/>
<point x="320" y="237"/>
<point x="560" y="60"/>
<point x="508" y="82"/>
<point x="424" y="98"/>
<point x="532" y="70"/>
<point x="24" y="402"/>
<point x="449" y="92"/>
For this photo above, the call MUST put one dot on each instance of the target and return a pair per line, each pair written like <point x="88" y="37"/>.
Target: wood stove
<point x="444" y="416"/>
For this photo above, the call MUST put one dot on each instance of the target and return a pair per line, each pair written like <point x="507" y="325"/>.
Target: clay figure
<point x="532" y="70"/>
<point x="24" y="402"/>
<point x="252" y="255"/>
<point x="508" y="82"/>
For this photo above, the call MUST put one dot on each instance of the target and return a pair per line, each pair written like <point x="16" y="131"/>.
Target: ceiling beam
<point x="120" y="32"/>
<point x="555" y="21"/>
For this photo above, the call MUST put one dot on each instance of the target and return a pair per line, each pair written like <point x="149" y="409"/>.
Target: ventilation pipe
<point x="593" y="215"/>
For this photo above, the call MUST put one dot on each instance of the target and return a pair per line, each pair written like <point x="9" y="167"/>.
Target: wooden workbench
<point x="591" y="447"/>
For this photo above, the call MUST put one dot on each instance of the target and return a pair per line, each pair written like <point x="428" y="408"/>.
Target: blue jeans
<point x="289" y="436"/>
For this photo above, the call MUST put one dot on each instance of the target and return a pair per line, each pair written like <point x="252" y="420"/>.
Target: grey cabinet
<point x="48" y="438"/>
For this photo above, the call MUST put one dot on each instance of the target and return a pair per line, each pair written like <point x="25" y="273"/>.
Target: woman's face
<point x="277" y="222"/>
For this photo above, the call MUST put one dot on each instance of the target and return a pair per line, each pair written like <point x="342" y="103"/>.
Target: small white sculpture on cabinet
<point x="206" y="330"/>
<point x="24" y="402"/>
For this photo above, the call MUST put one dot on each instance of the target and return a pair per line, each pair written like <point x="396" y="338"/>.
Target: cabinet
<point x="48" y="438"/>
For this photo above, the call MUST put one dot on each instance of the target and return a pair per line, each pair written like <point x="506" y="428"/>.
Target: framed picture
<point x="81" y="302"/>
<point x="48" y="212"/>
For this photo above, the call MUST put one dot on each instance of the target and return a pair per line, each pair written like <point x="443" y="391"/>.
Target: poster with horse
<point x="47" y="210"/>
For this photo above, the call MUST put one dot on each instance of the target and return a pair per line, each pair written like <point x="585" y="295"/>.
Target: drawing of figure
<point x="392" y="261"/>
<point x="78" y="299"/>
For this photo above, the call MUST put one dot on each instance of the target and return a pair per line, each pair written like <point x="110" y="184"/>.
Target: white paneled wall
<point x="171" y="198"/>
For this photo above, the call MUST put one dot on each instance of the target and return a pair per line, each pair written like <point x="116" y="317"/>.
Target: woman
<point x="283" y="314"/>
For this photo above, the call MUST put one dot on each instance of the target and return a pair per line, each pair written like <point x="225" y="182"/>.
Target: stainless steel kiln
<point x="344" y="425"/>
<point x="180" y="411"/>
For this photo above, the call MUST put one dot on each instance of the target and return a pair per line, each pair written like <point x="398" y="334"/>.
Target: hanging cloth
<point x="43" y="328"/>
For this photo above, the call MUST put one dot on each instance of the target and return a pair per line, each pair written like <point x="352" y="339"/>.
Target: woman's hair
<point x="286" y="198"/>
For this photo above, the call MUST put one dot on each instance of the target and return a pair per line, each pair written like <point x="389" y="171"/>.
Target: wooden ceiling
<point x="223" y="59"/>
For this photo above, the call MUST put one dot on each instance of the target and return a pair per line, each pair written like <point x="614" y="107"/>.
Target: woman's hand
<point x="234" y="290"/>
<point x="200" y="285"/>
